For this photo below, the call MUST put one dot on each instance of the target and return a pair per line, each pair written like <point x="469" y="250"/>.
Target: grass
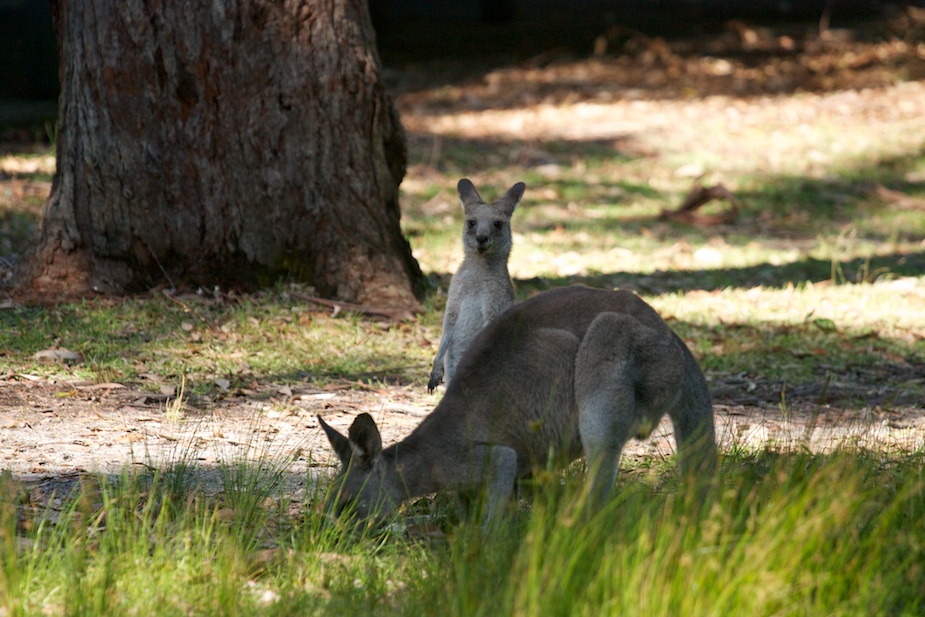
<point x="779" y="333"/>
<point x="816" y="291"/>
<point x="268" y="337"/>
<point x="775" y="538"/>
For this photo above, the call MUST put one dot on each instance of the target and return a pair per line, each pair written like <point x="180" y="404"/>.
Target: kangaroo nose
<point x="482" y="240"/>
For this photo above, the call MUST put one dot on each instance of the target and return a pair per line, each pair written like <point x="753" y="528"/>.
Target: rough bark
<point x="227" y="143"/>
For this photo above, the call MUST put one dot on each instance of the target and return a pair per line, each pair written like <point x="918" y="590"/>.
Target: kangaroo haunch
<point x="568" y="372"/>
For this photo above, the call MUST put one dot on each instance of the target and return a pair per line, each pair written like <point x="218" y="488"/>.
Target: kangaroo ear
<point x="467" y="193"/>
<point x="340" y="443"/>
<point x="364" y="438"/>
<point x="510" y="199"/>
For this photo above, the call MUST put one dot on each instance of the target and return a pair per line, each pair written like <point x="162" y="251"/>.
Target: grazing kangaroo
<point x="481" y="288"/>
<point x="570" y="371"/>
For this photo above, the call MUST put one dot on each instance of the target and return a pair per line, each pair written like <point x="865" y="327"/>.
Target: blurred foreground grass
<point x="782" y="534"/>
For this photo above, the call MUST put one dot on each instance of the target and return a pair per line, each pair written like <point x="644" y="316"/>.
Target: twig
<point x="699" y="196"/>
<point x="189" y="309"/>
<point x="158" y="262"/>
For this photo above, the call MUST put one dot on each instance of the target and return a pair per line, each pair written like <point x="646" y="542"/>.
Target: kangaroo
<point x="568" y="372"/>
<point x="481" y="287"/>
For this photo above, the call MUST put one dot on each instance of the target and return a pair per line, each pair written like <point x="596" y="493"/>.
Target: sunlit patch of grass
<point x="155" y="340"/>
<point x="799" y="335"/>
<point x="35" y="163"/>
<point x="889" y="308"/>
<point x="572" y="224"/>
<point x="25" y="182"/>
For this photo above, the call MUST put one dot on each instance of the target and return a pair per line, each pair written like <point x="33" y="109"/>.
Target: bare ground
<point x="52" y="433"/>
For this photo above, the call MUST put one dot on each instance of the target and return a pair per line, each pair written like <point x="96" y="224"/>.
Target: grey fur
<point x="568" y="372"/>
<point x="481" y="288"/>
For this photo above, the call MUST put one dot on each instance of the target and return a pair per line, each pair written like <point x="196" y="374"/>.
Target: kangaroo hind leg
<point x="627" y="376"/>
<point x="605" y="394"/>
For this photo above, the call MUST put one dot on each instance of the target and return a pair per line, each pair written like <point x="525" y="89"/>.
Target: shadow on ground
<point x="800" y="272"/>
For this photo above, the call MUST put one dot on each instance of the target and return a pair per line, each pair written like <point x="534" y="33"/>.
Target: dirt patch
<point x="54" y="432"/>
<point x="51" y="427"/>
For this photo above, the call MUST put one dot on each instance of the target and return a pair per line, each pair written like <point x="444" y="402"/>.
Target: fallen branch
<point x="399" y="314"/>
<point x="698" y="196"/>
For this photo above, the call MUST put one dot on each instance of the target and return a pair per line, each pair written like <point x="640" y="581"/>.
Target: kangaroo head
<point x="362" y="486"/>
<point x="487" y="229"/>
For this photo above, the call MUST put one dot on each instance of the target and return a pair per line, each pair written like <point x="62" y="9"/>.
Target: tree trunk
<point x="231" y="143"/>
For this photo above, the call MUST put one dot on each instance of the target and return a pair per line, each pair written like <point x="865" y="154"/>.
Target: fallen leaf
<point x="57" y="356"/>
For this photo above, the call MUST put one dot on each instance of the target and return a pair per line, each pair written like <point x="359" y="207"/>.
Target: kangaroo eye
<point x="498" y="224"/>
<point x="471" y="223"/>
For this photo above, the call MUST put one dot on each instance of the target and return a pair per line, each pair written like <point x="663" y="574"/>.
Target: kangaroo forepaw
<point x="435" y="380"/>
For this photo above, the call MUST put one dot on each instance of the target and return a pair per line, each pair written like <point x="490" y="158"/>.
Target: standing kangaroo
<point x="570" y="371"/>
<point x="481" y="288"/>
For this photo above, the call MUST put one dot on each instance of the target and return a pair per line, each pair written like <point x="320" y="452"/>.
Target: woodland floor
<point x="51" y="432"/>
